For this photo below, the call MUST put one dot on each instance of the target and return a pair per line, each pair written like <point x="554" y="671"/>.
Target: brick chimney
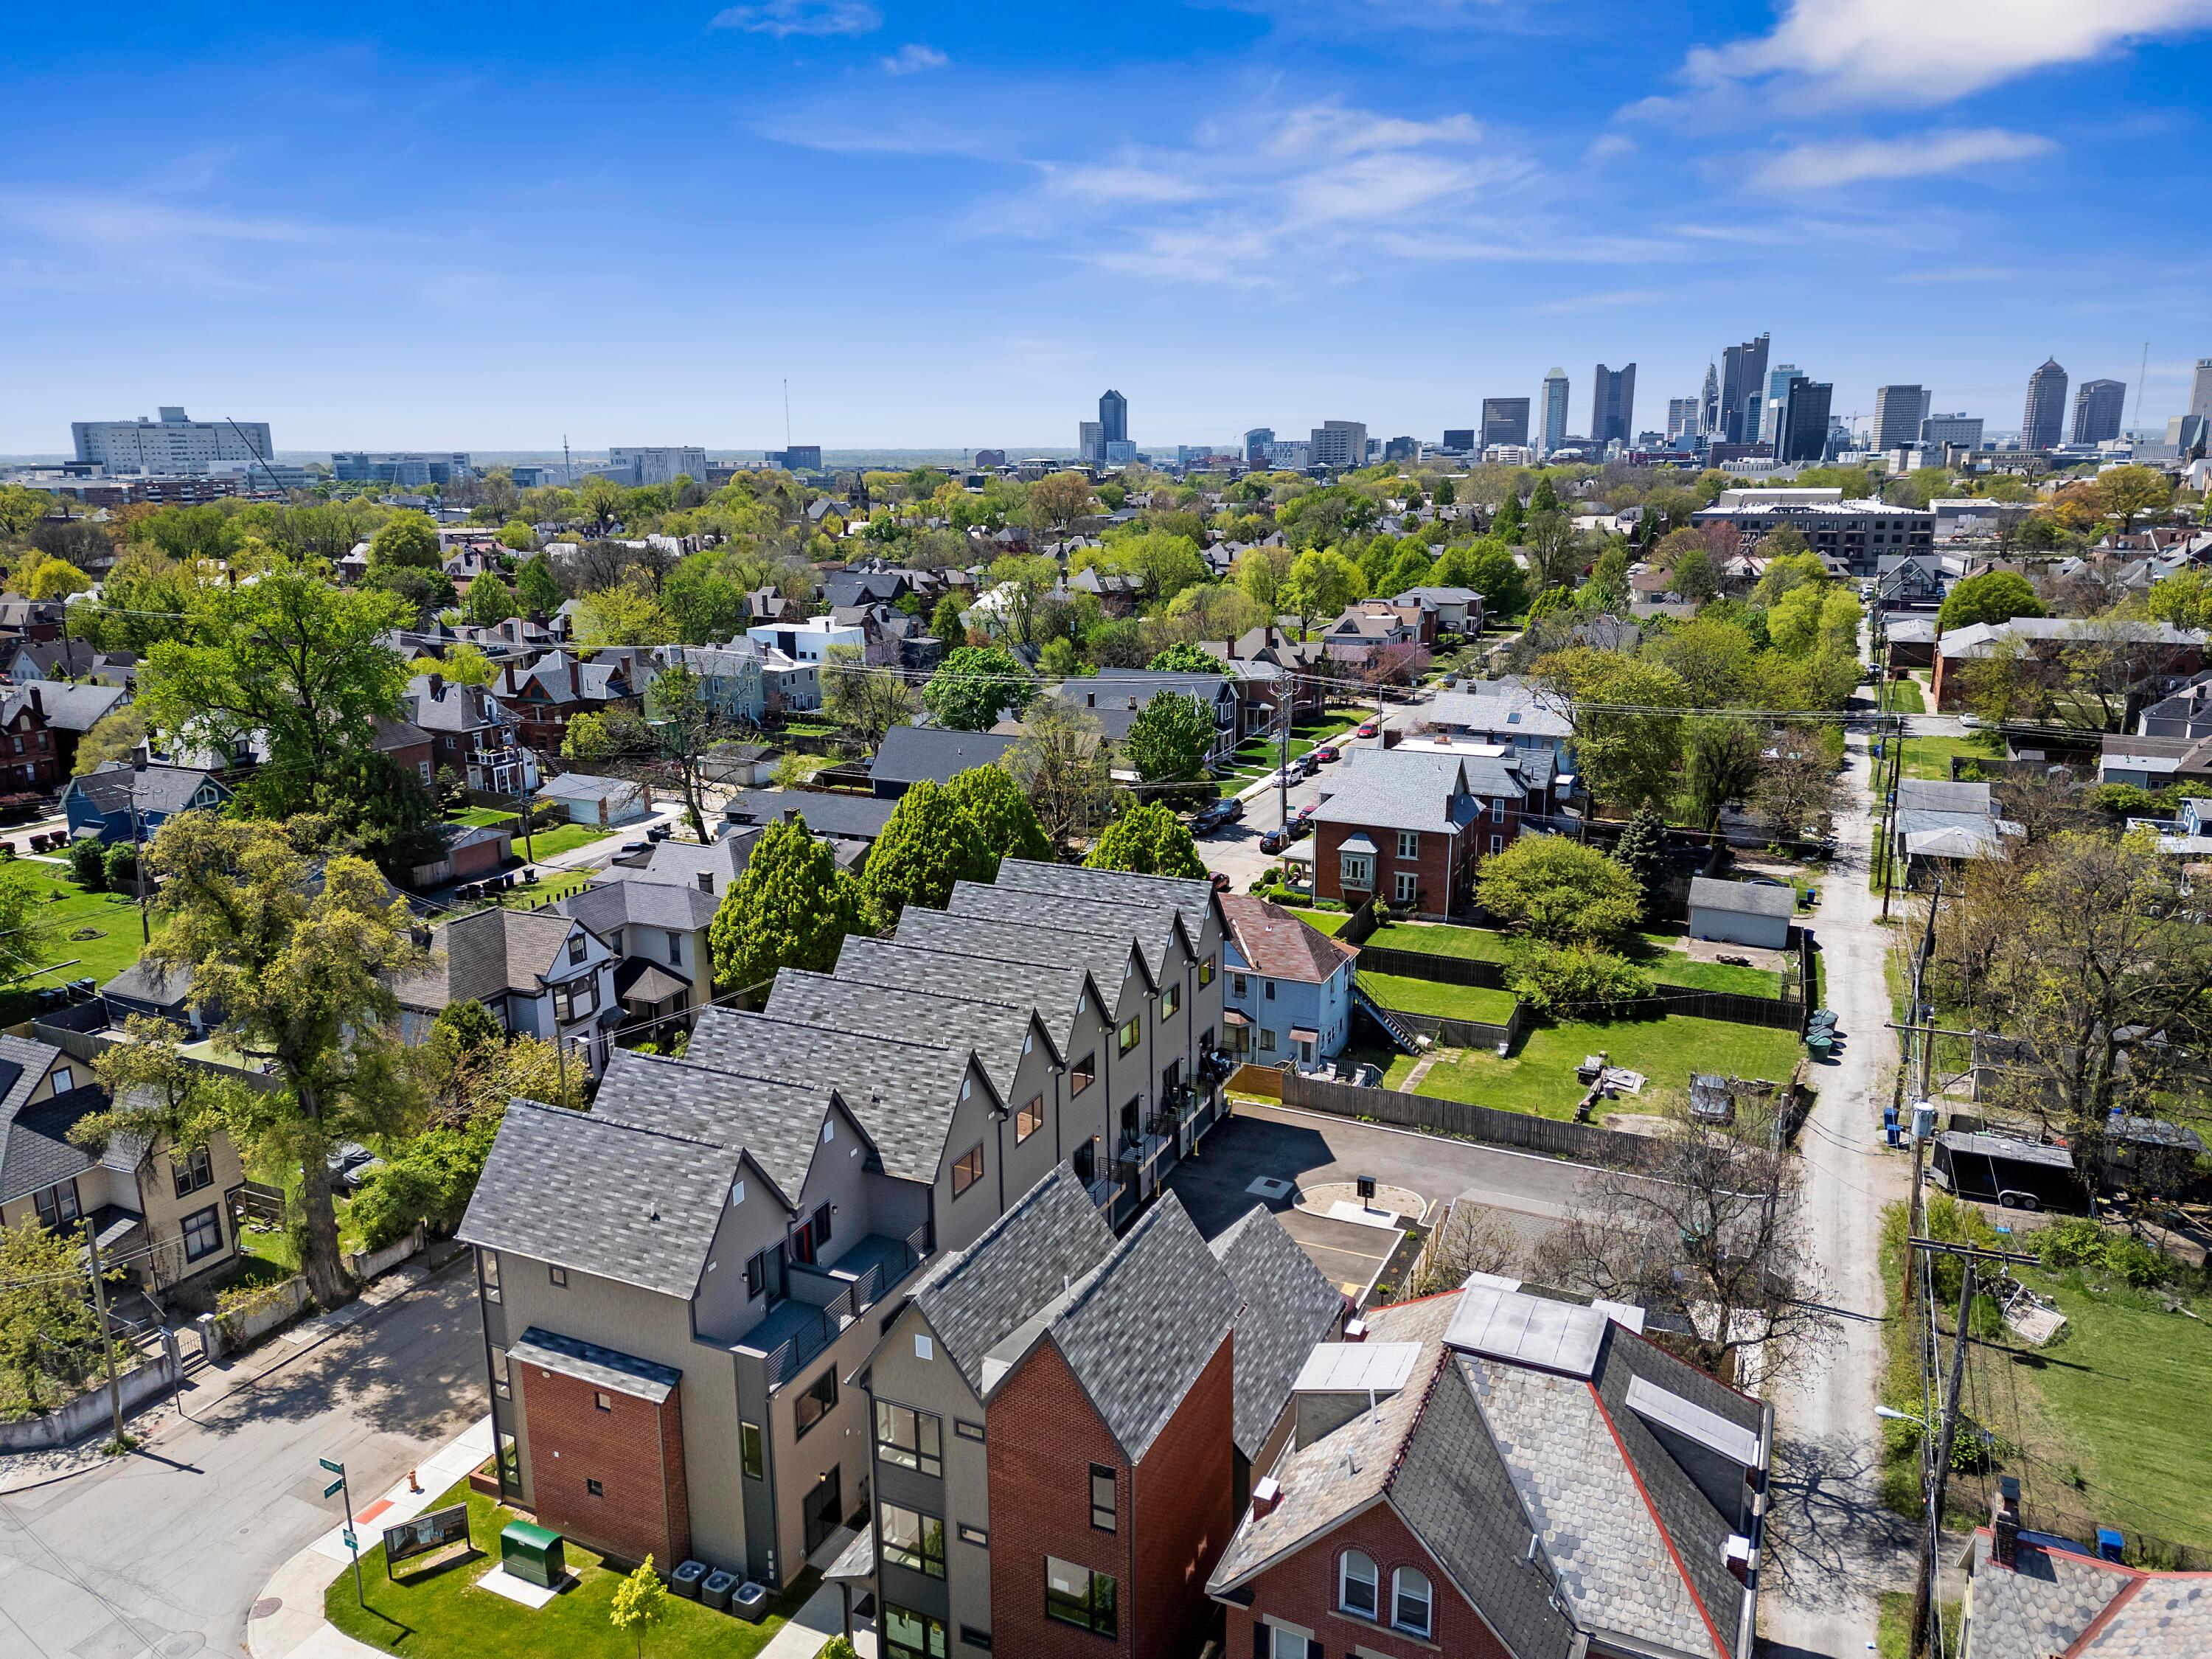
<point x="2004" y="1524"/>
<point x="1265" y="1494"/>
<point x="38" y="704"/>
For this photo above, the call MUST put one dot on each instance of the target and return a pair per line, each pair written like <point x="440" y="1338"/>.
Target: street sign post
<point x="352" y="1542"/>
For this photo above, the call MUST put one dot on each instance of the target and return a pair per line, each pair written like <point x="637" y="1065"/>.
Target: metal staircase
<point x="1396" y="1028"/>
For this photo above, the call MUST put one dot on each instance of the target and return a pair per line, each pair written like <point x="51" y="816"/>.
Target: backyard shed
<point x="1741" y="912"/>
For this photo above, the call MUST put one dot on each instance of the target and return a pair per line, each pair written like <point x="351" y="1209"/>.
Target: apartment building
<point x="677" y="1285"/>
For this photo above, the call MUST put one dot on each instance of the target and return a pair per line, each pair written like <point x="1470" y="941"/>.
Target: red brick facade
<point x="1302" y="1591"/>
<point x="1442" y="864"/>
<point x="28" y="759"/>
<point x="634" y="1450"/>
<point x="1173" y="1513"/>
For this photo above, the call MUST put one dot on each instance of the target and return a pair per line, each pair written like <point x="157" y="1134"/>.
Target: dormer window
<point x="576" y="947"/>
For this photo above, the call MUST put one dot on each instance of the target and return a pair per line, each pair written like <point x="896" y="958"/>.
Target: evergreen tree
<point x="947" y="625"/>
<point x="1643" y="848"/>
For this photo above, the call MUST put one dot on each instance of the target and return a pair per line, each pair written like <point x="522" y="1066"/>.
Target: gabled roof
<point x="778" y="1123"/>
<point x="908" y="754"/>
<point x="167" y="790"/>
<point x="583" y="785"/>
<point x="1049" y="992"/>
<point x="35" y="1151"/>
<point x="607" y="905"/>
<point x="2058" y="1598"/>
<point x="1288" y="1306"/>
<point x="1276" y="943"/>
<point x="485" y="954"/>
<point x="1395" y="789"/>
<point x="1156" y="930"/>
<point x="1108" y="958"/>
<point x="841" y="817"/>
<point x="999" y="1033"/>
<point x="1499" y="711"/>
<point x="1191" y="896"/>
<point x="78" y="708"/>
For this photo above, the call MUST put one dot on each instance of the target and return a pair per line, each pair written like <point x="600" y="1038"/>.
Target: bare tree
<point x="1062" y="767"/>
<point x="864" y="702"/>
<point x="1702" y="1231"/>
<point x="1471" y="1239"/>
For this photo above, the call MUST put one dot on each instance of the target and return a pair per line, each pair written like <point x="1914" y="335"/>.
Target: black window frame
<point x="488" y="1275"/>
<point x="967" y="1431"/>
<point x="923" y="1427"/>
<point x="824" y="1404"/>
<point x="1028" y="1118"/>
<point x="930" y="1625"/>
<point x="1088" y="1614"/>
<point x="1171" y="1000"/>
<point x="1111" y="1508"/>
<point x="1206" y="971"/>
<point x="1125" y="1043"/>
<point x="210" y="1217"/>
<point x="967" y="1168"/>
<point x="556" y="1276"/>
<point x="593" y="1488"/>
<point x="969" y="1534"/>
<point x="752" y="1455"/>
<point x="1083" y="1074"/>
<point x="920" y="1559"/>
<point x="191" y="1168"/>
<point x="819" y="1224"/>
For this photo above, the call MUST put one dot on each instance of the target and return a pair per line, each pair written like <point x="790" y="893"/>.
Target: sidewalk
<point x="287" y="1619"/>
<point x="210" y="1386"/>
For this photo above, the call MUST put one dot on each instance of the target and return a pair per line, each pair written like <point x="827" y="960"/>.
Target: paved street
<point x="162" y="1553"/>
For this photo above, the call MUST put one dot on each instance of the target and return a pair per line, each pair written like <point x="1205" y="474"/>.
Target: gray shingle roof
<point x="164" y="789"/>
<point x="735" y="1107"/>
<point x="852" y="818"/>
<point x="1108" y="958"/>
<point x="908" y="754"/>
<point x="584" y="785"/>
<point x="585" y="1191"/>
<point x="36" y="1151"/>
<point x="1191" y="898"/>
<point x="155" y="983"/>
<point x="482" y="956"/>
<point x="1153" y="929"/>
<point x="78" y="708"/>
<point x="587" y="1362"/>
<point x="1289" y="1305"/>
<point x="2042" y="1606"/>
<point x="1051" y="993"/>
<point x="1501" y="712"/>
<point x="976" y="1297"/>
<point x="606" y="905"/>
<point x="1743" y="898"/>
<point x="1398" y="789"/>
<point x="996" y="1031"/>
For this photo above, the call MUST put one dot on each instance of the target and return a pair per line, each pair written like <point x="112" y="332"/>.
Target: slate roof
<point x="78" y="708"/>
<point x="585" y="1191"/>
<point x="1288" y="1306"/>
<point x="1743" y="898"/>
<point x="908" y="754"/>
<point x="165" y="789"/>
<point x="903" y="1091"/>
<point x="974" y="1298"/>
<point x="2043" y="1606"/>
<point x="1395" y="789"/>
<point x="1276" y="943"/>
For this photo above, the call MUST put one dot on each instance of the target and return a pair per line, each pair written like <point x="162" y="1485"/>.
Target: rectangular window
<point x="1076" y="1596"/>
<point x="1498" y="810"/>
<point x="676" y="950"/>
<point x="576" y="947"/>
<point x="764" y="1274"/>
<point x="594" y="1489"/>
<point x="64" y="1079"/>
<point x="819" y="1400"/>
<point x="913" y="1440"/>
<point x="1266" y="1041"/>
<point x="1267" y="987"/>
<point x="192" y="1170"/>
<point x="968" y="1170"/>
<point x="1409" y="843"/>
<point x="749" y="1458"/>
<point x="1239" y="986"/>
<point x="968" y="1431"/>
<point x="1132" y="1033"/>
<point x="1356" y="870"/>
<point x="910" y="1635"/>
<point x="487" y="1273"/>
<point x="559" y="1276"/>
<point x="911" y="1540"/>
<point x="1206" y="972"/>
<point x="1101" y="1498"/>
<point x="1496" y="845"/>
<point x="602" y="1401"/>
<point x="1407" y="887"/>
<point x="1171" y="1000"/>
<point x="974" y="1535"/>
<point x="821" y="1225"/>
<point x="1083" y="1074"/>
<point x="499" y="1382"/>
<point x="203" y="1234"/>
<point x="1029" y="1120"/>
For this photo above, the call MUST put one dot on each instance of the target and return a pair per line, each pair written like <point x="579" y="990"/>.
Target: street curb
<point x="299" y="1353"/>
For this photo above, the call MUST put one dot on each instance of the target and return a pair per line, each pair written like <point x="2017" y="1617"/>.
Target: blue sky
<point x="481" y="226"/>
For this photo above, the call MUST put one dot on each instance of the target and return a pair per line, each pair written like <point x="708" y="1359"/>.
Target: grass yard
<point x="1540" y="1078"/>
<point x="544" y="843"/>
<point x="1905" y="698"/>
<point x="112" y="919"/>
<point x="437" y="1612"/>
<point x="1931" y="757"/>
<point x="1894" y="1634"/>
<point x="1650" y="951"/>
<point x="1257" y="757"/>
<point x="1331" y="923"/>
<point x="1426" y="996"/>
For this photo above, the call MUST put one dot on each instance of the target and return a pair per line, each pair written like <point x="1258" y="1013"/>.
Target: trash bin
<point x="749" y="1601"/>
<point x="714" y="1592"/>
<point x="533" y="1554"/>
<point x="684" y="1581"/>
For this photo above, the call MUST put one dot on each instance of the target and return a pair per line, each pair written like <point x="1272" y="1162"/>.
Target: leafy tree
<point x="1697" y="575"/>
<point x="930" y="842"/>
<point x="421" y="590"/>
<point x="1262" y="573"/>
<point x="88" y="865"/>
<point x="1576" y="982"/>
<point x="1001" y="812"/>
<point x="864" y="702"/>
<point x="1491" y="572"/>
<point x="519" y="536"/>
<point x="685" y="726"/>
<point x="792" y="907"/>
<point x="1057" y="500"/>
<point x="610" y="734"/>
<point x="947" y="624"/>
<point x="49" y="1338"/>
<point x="2185" y="598"/>
<point x="535" y="586"/>
<point x="1545" y="498"/>
<point x="1319" y="585"/>
<point x="1061" y="765"/>
<point x="1605" y="592"/>
<point x="641" y="1603"/>
<point x="1185" y="657"/>
<point x="1148" y="840"/>
<point x="1554" y="549"/>
<point x="1170" y="736"/>
<point x="301" y="962"/>
<point x="120" y="864"/>
<point x="1724" y="765"/>
<point x="1627" y="729"/>
<point x="2127" y="492"/>
<point x="628" y="613"/>
<point x="1558" y="890"/>
<point x="1813" y="618"/>
<point x="20" y="508"/>
<point x="405" y="539"/>
<point x="973" y="684"/>
<point x="114" y="737"/>
<point x="462" y="665"/>
<point x="1410" y="568"/>
<point x="488" y="601"/>
<point x="1510" y="520"/>
<point x="44" y="578"/>
<point x="1995" y="596"/>
<point x="1797" y="789"/>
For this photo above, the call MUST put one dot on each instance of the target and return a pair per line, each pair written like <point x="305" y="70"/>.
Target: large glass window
<point x="203" y="1233"/>
<point x="820" y="1398"/>
<point x="1206" y="971"/>
<point x="913" y="1440"/>
<point x="911" y="1540"/>
<point x="1076" y="1596"/>
<point x="1171" y="1000"/>
<point x="910" y="1635"/>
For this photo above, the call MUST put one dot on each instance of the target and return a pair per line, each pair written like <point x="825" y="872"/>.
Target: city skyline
<point x="198" y="178"/>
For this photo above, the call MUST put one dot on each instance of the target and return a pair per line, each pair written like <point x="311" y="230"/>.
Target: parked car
<point x="1367" y="729"/>
<point x="1328" y="752"/>
<point x="1232" y="811"/>
<point x="1273" y="842"/>
<point x="1305" y="813"/>
<point x="631" y="848"/>
<point x="1971" y="722"/>
<point x="1300" y="827"/>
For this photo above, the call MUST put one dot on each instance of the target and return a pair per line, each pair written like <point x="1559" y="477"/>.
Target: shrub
<point x="88" y="864"/>
<point x="2079" y="1241"/>
<point x="121" y="864"/>
<point x="1578" y="979"/>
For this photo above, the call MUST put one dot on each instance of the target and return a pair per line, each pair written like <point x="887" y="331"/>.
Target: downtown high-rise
<point x="2043" y="424"/>
<point x="1743" y="381"/>
<point x="2098" y="406"/>
<point x="1898" y="410"/>
<point x="1613" y="405"/>
<point x="1555" y="411"/>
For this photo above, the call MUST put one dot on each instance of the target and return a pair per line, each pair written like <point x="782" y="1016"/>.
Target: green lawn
<point x="1426" y="996"/>
<point x="109" y="917"/>
<point x="1331" y="923"/>
<point x="1539" y="1077"/>
<point x="437" y="1612"/>
<point x="1905" y="698"/>
<point x="1895" y="1632"/>
<point x="1931" y="757"/>
<point x="1650" y="950"/>
<point x="482" y="818"/>
<point x="543" y="843"/>
<point x="1256" y="756"/>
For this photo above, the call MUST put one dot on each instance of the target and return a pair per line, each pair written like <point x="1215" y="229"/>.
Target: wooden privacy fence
<point x="1582" y="1142"/>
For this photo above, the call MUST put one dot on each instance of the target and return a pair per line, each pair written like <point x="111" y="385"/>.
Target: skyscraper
<point x="1255" y="445"/>
<point x="1709" y="401"/>
<point x="1555" y="409"/>
<point x="1090" y="442"/>
<point x="1743" y="375"/>
<point x="1801" y="429"/>
<point x="2200" y="389"/>
<point x="1504" y="421"/>
<point x="1762" y="406"/>
<point x="1114" y="417"/>
<point x="1459" y="439"/>
<point x="2097" y="407"/>
<point x="1682" y="414"/>
<point x="1340" y="443"/>
<point x="1613" y="404"/>
<point x="2045" y="420"/>
<point x="1897" y="416"/>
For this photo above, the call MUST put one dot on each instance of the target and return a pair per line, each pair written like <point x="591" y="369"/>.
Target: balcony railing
<point x="822" y="1302"/>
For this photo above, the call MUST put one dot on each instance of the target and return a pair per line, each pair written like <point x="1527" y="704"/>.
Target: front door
<point x="824" y="1512"/>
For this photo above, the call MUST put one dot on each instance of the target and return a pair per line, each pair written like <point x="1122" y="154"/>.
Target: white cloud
<point x="1574" y="304"/>
<point x="1828" y="166"/>
<point x="788" y="17"/>
<point x="1910" y="52"/>
<point x="913" y="58"/>
<point x="1605" y="146"/>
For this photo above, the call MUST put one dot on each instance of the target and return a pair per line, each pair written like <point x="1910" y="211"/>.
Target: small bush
<point x="1578" y="979"/>
<point x="120" y="864"/>
<point x="2081" y="1243"/>
<point x="88" y="865"/>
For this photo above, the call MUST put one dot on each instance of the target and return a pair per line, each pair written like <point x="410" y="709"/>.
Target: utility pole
<point x="1283" y="777"/>
<point x="1920" y="1045"/>
<point x="1895" y="756"/>
<point x="1923" y="1580"/>
<point x="138" y="863"/>
<point x="107" y="1342"/>
<point x="522" y="807"/>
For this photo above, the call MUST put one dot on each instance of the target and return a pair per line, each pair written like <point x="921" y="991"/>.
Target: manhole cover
<point x="264" y="1607"/>
<point x="180" y="1645"/>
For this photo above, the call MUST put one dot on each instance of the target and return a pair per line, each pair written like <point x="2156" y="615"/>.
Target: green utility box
<point x="533" y="1554"/>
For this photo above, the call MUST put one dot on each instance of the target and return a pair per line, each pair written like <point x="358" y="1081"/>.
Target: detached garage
<point x="1741" y="912"/>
